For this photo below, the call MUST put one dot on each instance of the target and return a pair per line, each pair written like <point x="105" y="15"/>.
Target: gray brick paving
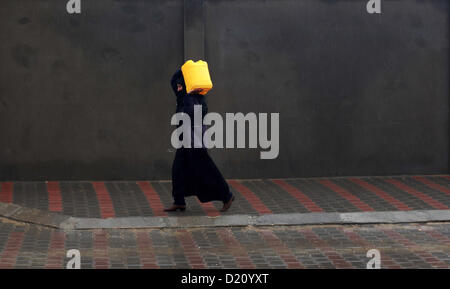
<point x="79" y="199"/>
<point x="427" y="246"/>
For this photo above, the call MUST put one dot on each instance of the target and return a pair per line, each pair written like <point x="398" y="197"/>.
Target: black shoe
<point x="174" y="208"/>
<point x="227" y="205"/>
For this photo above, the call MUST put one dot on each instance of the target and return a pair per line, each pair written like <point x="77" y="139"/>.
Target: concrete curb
<point x="58" y="221"/>
<point x="32" y="216"/>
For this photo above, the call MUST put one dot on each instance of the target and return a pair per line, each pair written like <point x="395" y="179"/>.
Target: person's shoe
<point x="227" y="205"/>
<point x="174" y="208"/>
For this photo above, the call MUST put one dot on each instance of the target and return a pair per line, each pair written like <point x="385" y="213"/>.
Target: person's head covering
<point x="178" y="78"/>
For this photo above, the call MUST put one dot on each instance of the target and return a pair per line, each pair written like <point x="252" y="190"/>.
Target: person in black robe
<point x="193" y="170"/>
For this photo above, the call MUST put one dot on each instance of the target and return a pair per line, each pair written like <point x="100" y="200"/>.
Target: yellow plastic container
<point x="196" y="76"/>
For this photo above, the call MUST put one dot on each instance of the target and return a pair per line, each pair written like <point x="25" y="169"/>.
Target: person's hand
<point x="196" y="91"/>
<point x="179" y="87"/>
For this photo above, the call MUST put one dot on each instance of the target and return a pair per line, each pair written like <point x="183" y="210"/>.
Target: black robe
<point x="193" y="170"/>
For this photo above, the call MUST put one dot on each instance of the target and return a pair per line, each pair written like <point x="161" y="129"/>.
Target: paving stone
<point x="29" y="247"/>
<point x="80" y="199"/>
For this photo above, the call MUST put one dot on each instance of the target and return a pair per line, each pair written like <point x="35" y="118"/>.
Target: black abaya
<point x="193" y="170"/>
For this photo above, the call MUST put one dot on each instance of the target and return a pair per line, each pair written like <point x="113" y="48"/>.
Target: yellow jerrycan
<point x="196" y="76"/>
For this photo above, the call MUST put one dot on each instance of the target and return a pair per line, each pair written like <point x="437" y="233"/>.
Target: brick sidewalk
<point x="144" y="198"/>
<point x="401" y="246"/>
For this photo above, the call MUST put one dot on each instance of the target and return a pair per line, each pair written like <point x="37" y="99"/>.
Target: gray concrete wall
<point x="358" y="94"/>
<point x="87" y="96"/>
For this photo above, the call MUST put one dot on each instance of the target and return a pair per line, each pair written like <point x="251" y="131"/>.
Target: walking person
<point x="193" y="170"/>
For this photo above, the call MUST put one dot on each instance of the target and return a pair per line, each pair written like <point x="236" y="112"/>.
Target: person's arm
<point x="175" y="80"/>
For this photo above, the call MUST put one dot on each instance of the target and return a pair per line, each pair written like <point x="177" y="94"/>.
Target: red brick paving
<point x="298" y="195"/>
<point x="432" y="184"/>
<point x="191" y="250"/>
<point x="209" y="209"/>
<point x="282" y="250"/>
<point x="326" y="246"/>
<point x="251" y="197"/>
<point x="427" y="199"/>
<point x="9" y="253"/>
<point x="101" y="259"/>
<point x="238" y="251"/>
<point x="54" y="197"/>
<point x="426" y="256"/>
<point x="387" y="261"/>
<point x="258" y="200"/>
<point x="104" y="200"/>
<point x="328" y="251"/>
<point x="153" y="199"/>
<point x="382" y="194"/>
<point x="146" y="250"/>
<point x="6" y="193"/>
<point x="346" y="195"/>
<point x="55" y="258"/>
